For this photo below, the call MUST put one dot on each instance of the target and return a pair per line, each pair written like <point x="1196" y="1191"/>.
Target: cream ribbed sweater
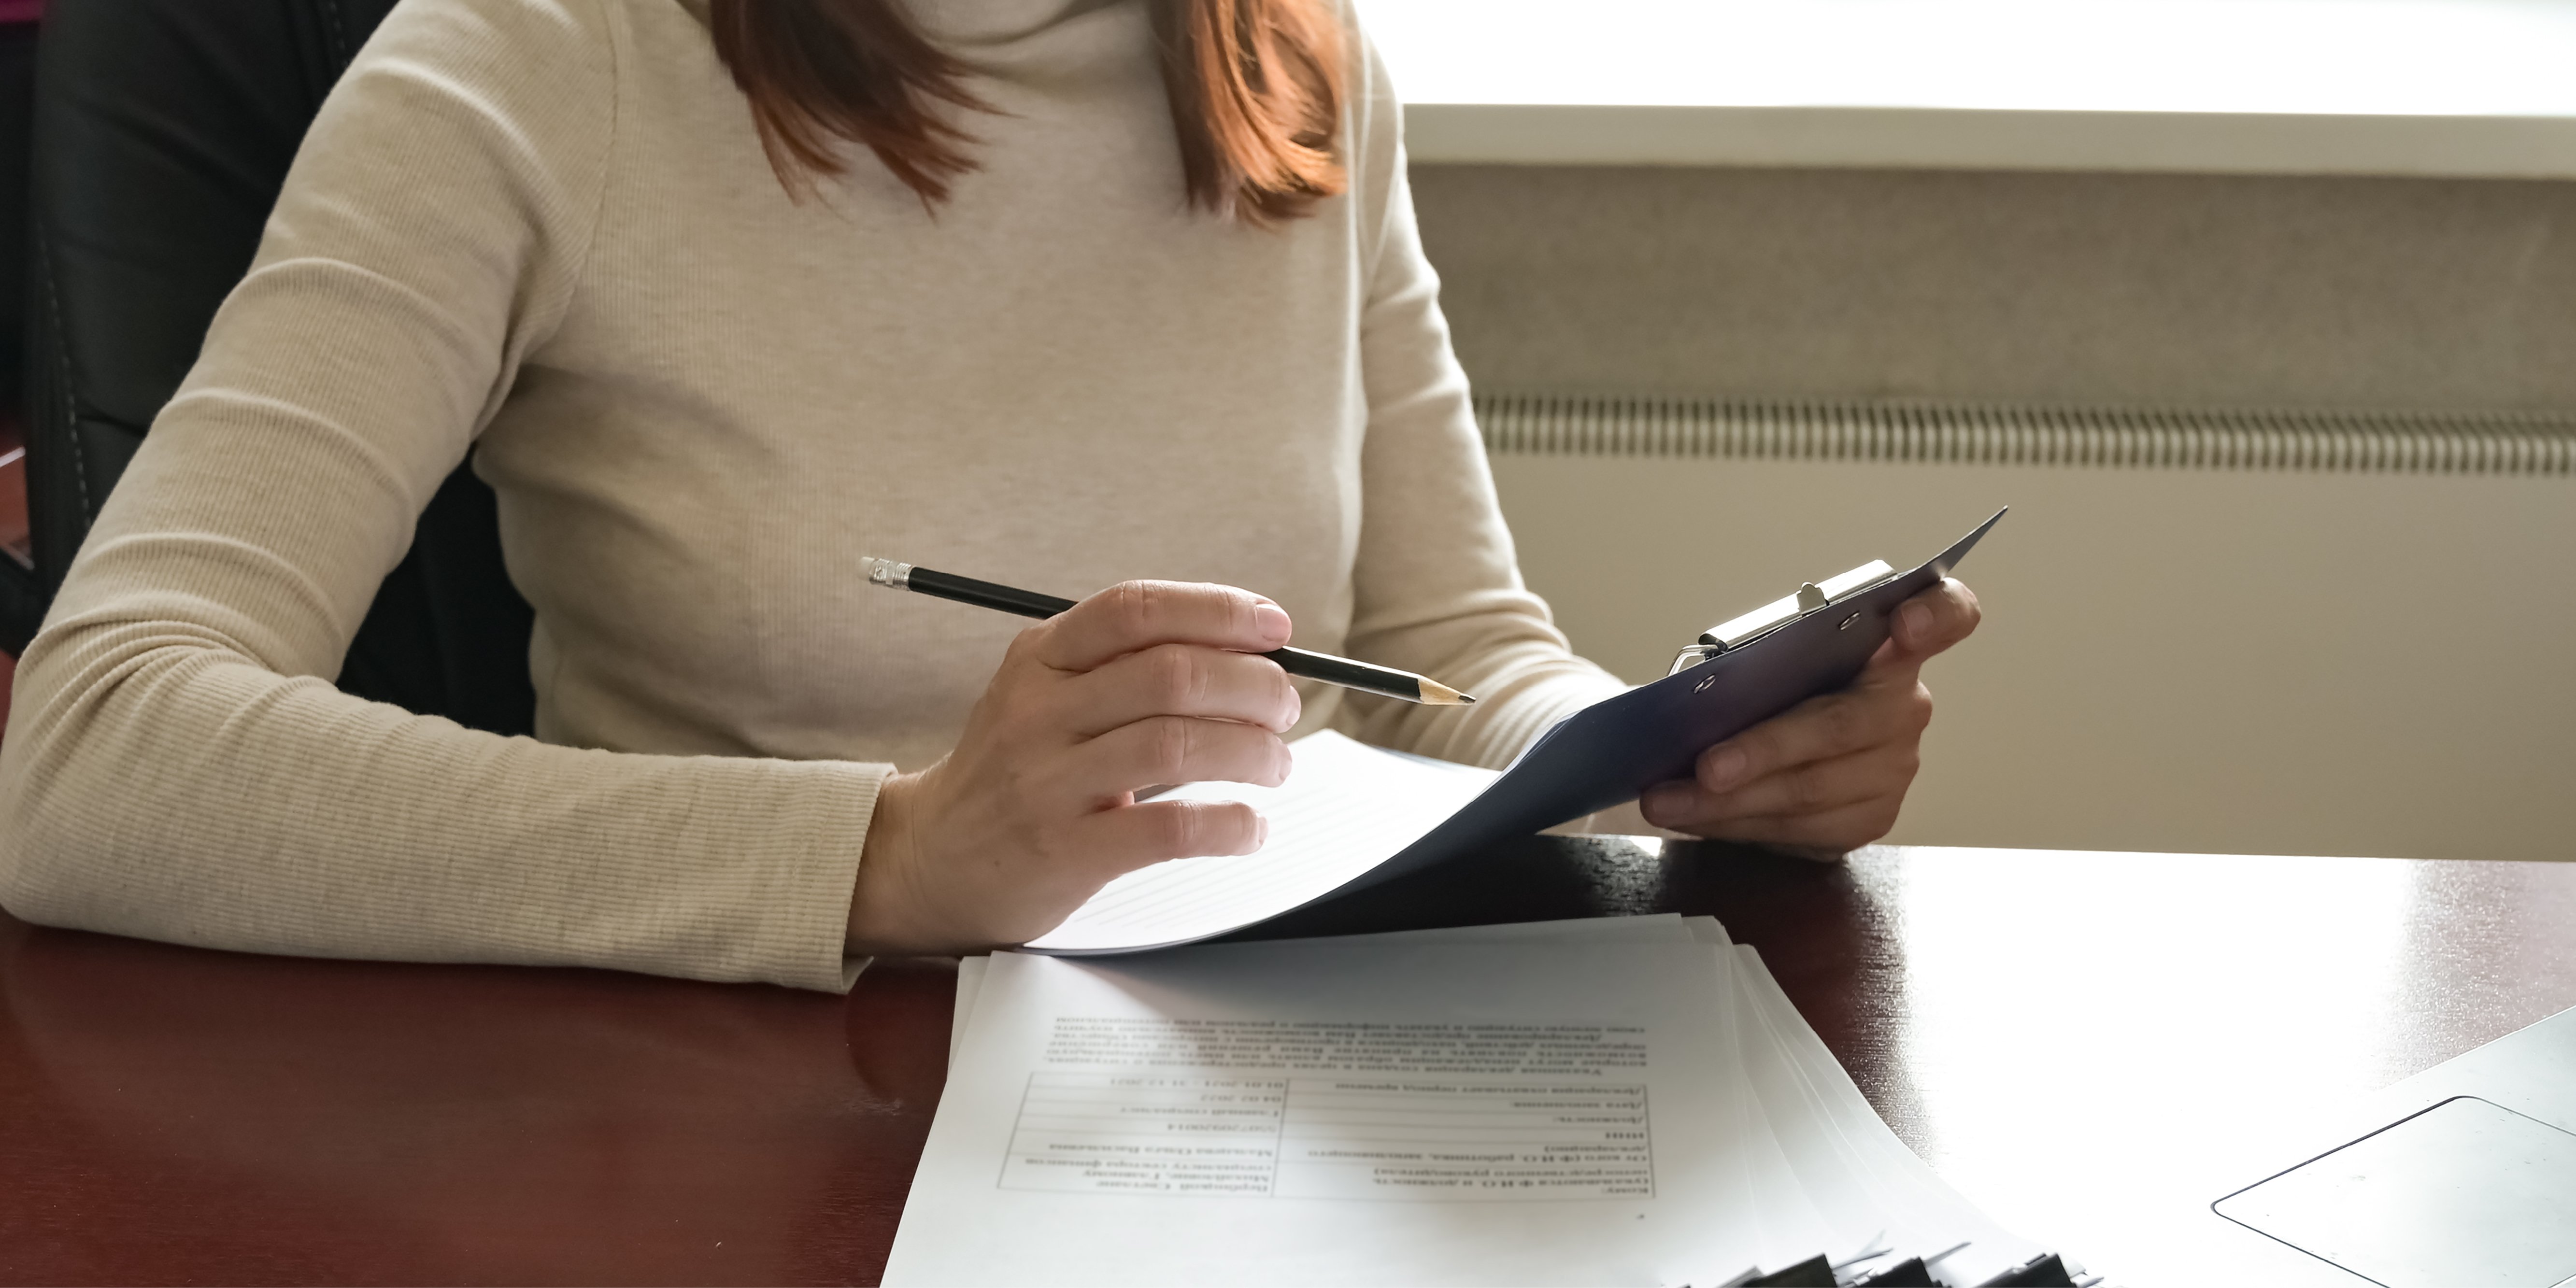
<point x="544" y="230"/>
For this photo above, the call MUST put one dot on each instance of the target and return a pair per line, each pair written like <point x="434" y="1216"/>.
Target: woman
<point x="722" y="294"/>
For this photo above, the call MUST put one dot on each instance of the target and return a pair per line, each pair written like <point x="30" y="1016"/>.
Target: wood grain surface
<point x="2094" y="1046"/>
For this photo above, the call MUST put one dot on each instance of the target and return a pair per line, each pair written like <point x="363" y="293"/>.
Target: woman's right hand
<point x="1145" y="683"/>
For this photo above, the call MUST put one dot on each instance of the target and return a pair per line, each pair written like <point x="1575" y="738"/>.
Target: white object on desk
<point x="2463" y="1193"/>
<point x="2441" y="1157"/>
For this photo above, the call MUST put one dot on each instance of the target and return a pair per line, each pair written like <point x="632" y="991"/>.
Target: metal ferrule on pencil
<point x="886" y="572"/>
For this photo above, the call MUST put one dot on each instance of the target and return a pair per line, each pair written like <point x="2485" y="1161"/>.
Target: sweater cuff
<point x="804" y="945"/>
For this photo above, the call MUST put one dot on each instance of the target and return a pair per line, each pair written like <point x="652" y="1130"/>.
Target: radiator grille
<point x="2102" y="437"/>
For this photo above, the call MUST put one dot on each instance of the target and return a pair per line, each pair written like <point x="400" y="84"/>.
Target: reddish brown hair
<point x="1255" y="88"/>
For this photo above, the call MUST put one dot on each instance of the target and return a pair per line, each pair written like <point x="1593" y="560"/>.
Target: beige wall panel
<point x="2172" y="660"/>
<point x="2205" y="290"/>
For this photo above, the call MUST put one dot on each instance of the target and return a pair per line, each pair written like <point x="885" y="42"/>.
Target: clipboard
<point x="1741" y="673"/>
<point x="1609" y="753"/>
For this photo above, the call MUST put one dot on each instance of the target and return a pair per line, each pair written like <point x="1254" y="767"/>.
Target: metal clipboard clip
<point x="1812" y="597"/>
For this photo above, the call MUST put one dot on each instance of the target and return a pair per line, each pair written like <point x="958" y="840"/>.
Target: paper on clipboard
<point x="1361" y="817"/>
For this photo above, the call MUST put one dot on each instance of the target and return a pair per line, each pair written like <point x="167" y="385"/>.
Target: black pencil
<point x="1295" y="661"/>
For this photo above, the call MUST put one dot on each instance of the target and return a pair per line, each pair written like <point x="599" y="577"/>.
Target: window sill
<point x="2455" y="88"/>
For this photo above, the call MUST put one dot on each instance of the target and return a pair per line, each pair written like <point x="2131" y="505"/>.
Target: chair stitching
<point x="71" y="394"/>
<point x="341" y="53"/>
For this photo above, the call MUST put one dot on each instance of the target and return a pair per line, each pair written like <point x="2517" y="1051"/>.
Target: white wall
<point x="2172" y="660"/>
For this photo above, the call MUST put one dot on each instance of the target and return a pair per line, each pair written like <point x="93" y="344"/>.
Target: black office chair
<point x="163" y="131"/>
<point x="19" y="604"/>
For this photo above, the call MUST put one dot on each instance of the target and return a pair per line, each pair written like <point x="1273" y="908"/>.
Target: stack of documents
<point x="1628" y="1101"/>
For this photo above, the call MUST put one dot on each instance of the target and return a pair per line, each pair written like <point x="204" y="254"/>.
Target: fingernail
<point x="1722" y="769"/>
<point x="1272" y="621"/>
<point x="1659" y="803"/>
<point x="1918" y="622"/>
<point x="1260" y="831"/>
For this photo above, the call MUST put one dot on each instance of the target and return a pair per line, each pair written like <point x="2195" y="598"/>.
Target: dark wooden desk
<point x="2083" y="1042"/>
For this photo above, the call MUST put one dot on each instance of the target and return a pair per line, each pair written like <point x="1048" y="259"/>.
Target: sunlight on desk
<point x="2293" y="962"/>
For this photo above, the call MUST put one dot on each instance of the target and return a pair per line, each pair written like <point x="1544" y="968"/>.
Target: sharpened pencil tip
<point x="1436" y="694"/>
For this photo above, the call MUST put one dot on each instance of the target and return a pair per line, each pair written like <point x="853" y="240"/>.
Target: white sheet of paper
<point x="1653" y="928"/>
<point x="1298" y="1113"/>
<point x="1858" y="1171"/>
<point x="1657" y="928"/>
<point x="970" y="981"/>
<point x="1346" y="808"/>
<point x="1855" y="1184"/>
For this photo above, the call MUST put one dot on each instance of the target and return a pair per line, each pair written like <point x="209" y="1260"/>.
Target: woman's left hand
<point x="1827" y="775"/>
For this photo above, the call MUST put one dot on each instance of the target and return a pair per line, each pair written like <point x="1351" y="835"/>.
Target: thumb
<point x="1933" y="621"/>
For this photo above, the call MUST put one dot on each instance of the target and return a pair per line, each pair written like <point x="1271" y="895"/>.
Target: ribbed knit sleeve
<point x="1437" y="588"/>
<point x="177" y="763"/>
